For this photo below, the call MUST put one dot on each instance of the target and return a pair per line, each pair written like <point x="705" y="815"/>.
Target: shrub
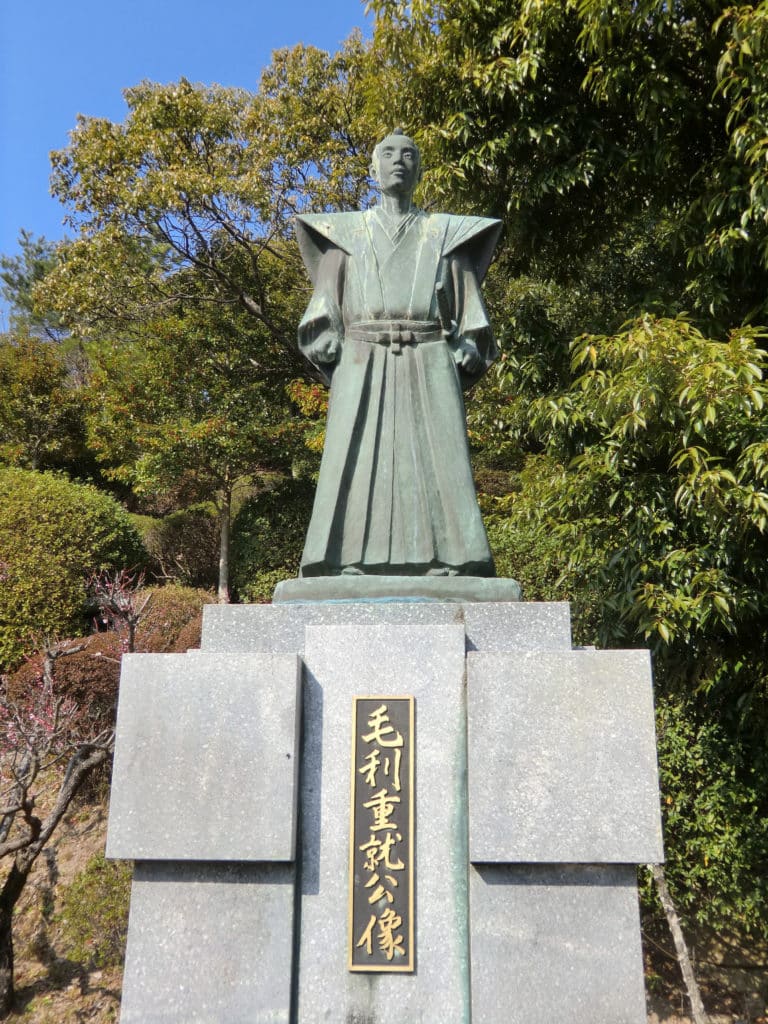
<point x="268" y="536"/>
<point x="53" y="534"/>
<point x="89" y="677"/>
<point x="715" y="828"/>
<point x="94" y="913"/>
<point x="172" y="620"/>
<point x="183" y="546"/>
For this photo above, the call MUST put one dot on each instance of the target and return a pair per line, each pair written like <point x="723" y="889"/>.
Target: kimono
<point x="395" y="494"/>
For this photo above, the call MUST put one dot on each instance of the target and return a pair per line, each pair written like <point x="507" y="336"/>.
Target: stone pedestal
<point x="536" y="796"/>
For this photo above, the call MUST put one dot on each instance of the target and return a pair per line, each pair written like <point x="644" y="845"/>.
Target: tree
<point x="185" y="271"/>
<point x="198" y="397"/>
<point x="20" y="275"/>
<point x="649" y="507"/>
<point x="40" y="738"/>
<point x="41" y="416"/>
<point x="194" y="194"/>
<point x="582" y="123"/>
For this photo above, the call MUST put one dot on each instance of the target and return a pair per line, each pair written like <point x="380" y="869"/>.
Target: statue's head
<point x="396" y="164"/>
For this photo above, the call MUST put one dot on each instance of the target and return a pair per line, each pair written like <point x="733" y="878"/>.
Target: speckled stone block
<point x="562" y="770"/>
<point x="209" y="944"/>
<point x="427" y="663"/>
<point x="555" y="944"/>
<point x="206" y="758"/>
<point x="573" y="774"/>
<point x="528" y="625"/>
<point x="492" y="626"/>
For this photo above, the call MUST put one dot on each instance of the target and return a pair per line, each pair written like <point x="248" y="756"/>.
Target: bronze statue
<point x="398" y="328"/>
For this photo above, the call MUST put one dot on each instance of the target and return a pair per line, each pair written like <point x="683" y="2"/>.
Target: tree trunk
<point x="83" y="761"/>
<point x="683" y="958"/>
<point x="13" y="888"/>
<point x="225" y="513"/>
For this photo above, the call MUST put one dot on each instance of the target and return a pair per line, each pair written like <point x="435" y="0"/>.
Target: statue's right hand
<point x="324" y="349"/>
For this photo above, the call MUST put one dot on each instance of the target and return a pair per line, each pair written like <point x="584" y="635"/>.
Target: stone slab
<point x="428" y="663"/>
<point x="206" y="758"/>
<point x="397" y="588"/>
<point x="555" y="944"/>
<point x="491" y="626"/>
<point x="527" y="625"/>
<point x="209" y="944"/>
<point x="573" y="777"/>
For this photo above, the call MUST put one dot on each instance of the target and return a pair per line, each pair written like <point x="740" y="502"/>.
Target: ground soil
<point x="51" y="988"/>
<point x="732" y="975"/>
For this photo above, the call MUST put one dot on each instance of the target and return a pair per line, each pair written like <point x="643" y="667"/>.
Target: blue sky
<point x="59" y="59"/>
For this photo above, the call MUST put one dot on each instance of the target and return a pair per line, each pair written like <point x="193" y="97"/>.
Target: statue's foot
<point x="352" y="570"/>
<point x="442" y="570"/>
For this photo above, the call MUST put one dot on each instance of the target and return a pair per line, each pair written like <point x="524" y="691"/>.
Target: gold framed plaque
<point x="381" y="835"/>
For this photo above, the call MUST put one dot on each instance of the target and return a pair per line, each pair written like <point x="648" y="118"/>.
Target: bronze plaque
<point x="381" y="841"/>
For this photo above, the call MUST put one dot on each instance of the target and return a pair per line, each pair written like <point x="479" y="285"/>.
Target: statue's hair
<point x="374" y="168"/>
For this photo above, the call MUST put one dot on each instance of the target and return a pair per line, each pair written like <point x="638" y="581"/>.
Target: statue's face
<point x="397" y="161"/>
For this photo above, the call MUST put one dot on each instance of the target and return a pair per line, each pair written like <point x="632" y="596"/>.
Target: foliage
<point x="88" y="676"/>
<point x="576" y="121"/>
<point x="94" y="913"/>
<point x="19" y="276"/>
<point x="662" y="439"/>
<point x="165" y="624"/>
<point x="191" y="399"/>
<point x="183" y="546"/>
<point x="648" y="508"/>
<point x="53" y="534"/>
<point x="179" y="192"/>
<point x="715" y="823"/>
<point x="41" y="421"/>
<point x="528" y="546"/>
<point x="184" y="254"/>
<point x="268" y="537"/>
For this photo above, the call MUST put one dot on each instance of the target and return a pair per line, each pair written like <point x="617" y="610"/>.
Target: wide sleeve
<point x="321" y="330"/>
<point x="471" y="316"/>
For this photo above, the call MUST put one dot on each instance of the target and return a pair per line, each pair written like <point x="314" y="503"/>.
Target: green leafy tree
<point x="185" y="273"/>
<point x="580" y="122"/>
<point x="648" y="506"/>
<point x="194" y="399"/>
<point x="194" y="194"/>
<point x="41" y="421"/>
<point x="20" y="275"/>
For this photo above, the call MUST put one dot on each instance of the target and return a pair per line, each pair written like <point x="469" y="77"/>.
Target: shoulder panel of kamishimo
<point x="461" y="229"/>
<point x="477" y="236"/>
<point x="337" y="228"/>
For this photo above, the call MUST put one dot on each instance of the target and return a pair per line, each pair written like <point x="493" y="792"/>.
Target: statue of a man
<point x="398" y="328"/>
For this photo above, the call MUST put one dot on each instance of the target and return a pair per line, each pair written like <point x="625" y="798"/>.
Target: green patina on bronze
<point x="398" y="327"/>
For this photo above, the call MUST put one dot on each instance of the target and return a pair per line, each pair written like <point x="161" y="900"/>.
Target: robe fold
<point x="395" y="493"/>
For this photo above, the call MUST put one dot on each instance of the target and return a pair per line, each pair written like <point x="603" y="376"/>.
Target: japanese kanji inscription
<point x="381" y="856"/>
